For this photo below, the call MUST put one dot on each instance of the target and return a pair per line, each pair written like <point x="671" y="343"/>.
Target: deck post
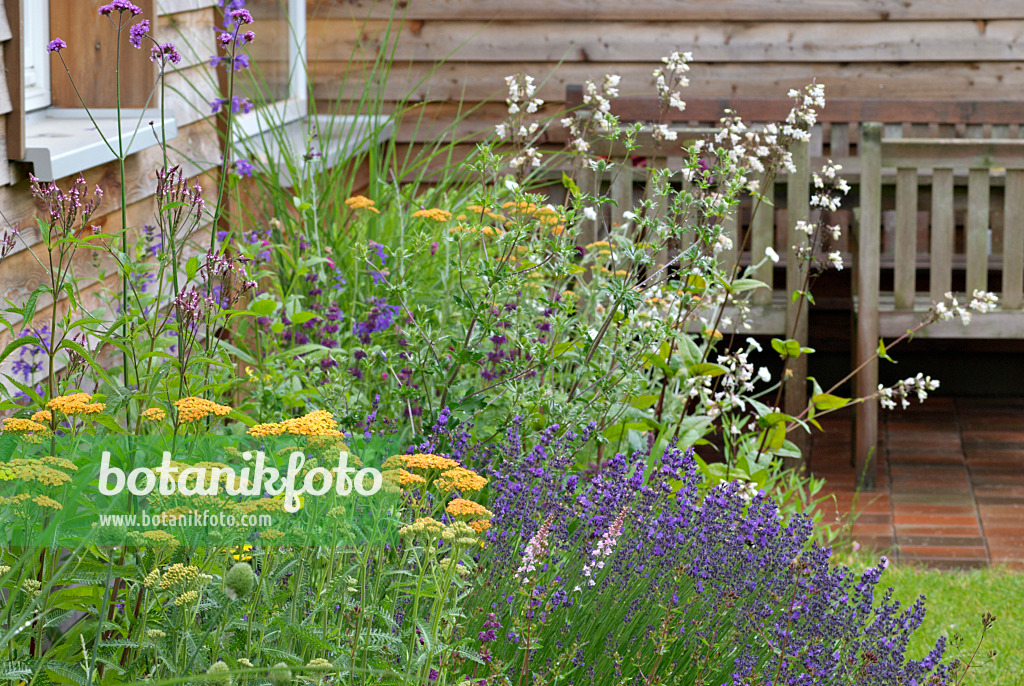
<point x="866" y="419"/>
<point x="798" y="199"/>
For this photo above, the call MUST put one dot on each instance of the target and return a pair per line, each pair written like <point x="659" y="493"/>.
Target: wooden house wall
<point x="943" y="49"/>
<point x="188" y="24"/>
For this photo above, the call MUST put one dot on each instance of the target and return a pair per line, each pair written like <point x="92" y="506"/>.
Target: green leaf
<point x="18" y="343"/>
<point x="642" y="402"/>
<point x="191" y="267"/>
<point x="29" y="311"/>
<point x="302" y="317"/>
<point x="689" y="350"/>
<point x="827" y="401"/>
<point x="706" y="369"/>
<point x="570" y="184"/>
<point x="264" y="308"/>
<point x="242" y="417"/>
<point x="108" y="421"/>
<point x="656" y="361"/>
<point x="742" y="285"/>
<point x="882" y="352"/>
<point x="786" y="349"/>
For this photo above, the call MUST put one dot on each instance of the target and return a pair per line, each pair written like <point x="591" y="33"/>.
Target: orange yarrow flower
<point x="434" y="214"/>
<point x="192" y="409"/>
<point x="427" y="461"/>
<point x="461" y="507"/>
<point x="361" y="202"/>
<point x="461" y="479"/>
<point x="75" y="404"/>
<point x="154" y="414"/>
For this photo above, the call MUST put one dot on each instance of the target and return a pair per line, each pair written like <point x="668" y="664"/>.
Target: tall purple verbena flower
<point x="56" y="45"/>
<point x="120" y="6"/>
<point x="164" y="53"/>
<point x="137" y="32"/>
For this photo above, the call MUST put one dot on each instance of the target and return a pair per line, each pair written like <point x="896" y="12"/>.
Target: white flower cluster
<point x="829" y="187"/>
<point x="521" y="101"/>
<point x="521" y="90"/>
<point x="950" y="308"/>
<point x="804" y="113"/>
<point x="662" y="132"/>
<point x="671" y="79"/>
<point x="918" y="385"/>
<point x="598" y="98"/>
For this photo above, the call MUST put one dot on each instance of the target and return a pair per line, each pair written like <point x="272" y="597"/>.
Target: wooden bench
<point x="994" y="173"/>
<point x="838" y="137"/>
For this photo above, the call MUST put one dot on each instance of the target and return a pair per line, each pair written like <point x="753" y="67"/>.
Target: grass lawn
<point x="955" y="601"/>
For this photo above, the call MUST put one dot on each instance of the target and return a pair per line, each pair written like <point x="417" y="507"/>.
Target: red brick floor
<point x="950" y="487"/>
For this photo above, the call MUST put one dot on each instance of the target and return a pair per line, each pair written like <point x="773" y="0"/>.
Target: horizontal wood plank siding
<point x="676" y="10"/>
<point x="859" y="49"/>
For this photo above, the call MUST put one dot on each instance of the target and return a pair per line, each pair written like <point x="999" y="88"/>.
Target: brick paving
<point x="950" y="484"/>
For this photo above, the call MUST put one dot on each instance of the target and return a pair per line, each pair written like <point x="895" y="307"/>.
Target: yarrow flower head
<point x="361" y="202"/>
<point x="154" y="414"/>
<point x="460" y="507"/>
<point x="192" y="409"/>
<point x="75" y="404"/>
<point x="56" y="45"/>
<point x="434" y="214"/>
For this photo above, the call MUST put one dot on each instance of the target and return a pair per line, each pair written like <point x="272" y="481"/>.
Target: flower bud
<point x="280" y="675"/>
<point x="239" y="581"/>
<point x="219" y="674"/>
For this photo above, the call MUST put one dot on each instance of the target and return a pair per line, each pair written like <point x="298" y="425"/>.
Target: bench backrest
<point x="994" y="171"/>
<point x="836" y="136"/>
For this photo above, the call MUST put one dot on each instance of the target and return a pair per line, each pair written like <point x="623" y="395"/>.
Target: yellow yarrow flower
<point x="407" y="478"/>
<point x="154" y="414"/>
<point x="46" y="501"/>
<point x="19" y="425"/>
<point x="42" y="416"/>
<point x="461" y="479"/>
<point x="192" y="409"/>
<point x="461" y="507"/>
<point x="361" y="202"/>
<point x="434" y="214"/>
<point x="75" y="404"/>
<point x="427" y="461"/>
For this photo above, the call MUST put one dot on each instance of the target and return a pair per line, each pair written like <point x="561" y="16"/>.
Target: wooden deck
<point x="950" y="491"/>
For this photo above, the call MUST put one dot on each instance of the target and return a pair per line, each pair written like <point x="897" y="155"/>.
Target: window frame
<point x="35" y="69"/>
<point x="263" y="118"/>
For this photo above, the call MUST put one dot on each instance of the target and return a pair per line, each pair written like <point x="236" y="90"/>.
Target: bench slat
<point x="941" y="268"/>
<point x="1013" y="241"/>
<point x="887" y="111"/>
<point x="906" y="236"/>
<point x="977" y="230"/>
<point x="929" y="153"/>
